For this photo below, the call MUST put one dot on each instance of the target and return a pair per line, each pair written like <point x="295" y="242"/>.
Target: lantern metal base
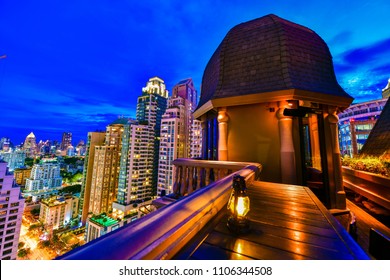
<point x="238" y="226"/>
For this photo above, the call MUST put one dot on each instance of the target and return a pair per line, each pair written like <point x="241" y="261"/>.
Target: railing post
<point x="183" y="181"/>
<point x="177" y="184"/>
<point x="207" y="176"/>
<point x="198" y="178"/>
<point x="190" y="188"/>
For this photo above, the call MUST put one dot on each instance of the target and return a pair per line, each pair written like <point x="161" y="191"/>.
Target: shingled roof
<point x="378" y="142"/>
<point x="269" y="54"/>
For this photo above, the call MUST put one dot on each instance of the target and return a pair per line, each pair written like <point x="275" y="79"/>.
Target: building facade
<point x="105" y="170"/>
<point x="57" y="211"/>
<point x="21" y="175"/>
<point x="30" y="145"/>
<point x="136" y="168"/>
<point x="11" y="213"/>
<point x="177" y="138"/>
<point x="66" y="140"/>
<point x="45" y="175"/>
<point x="356" y="123"/>
<point x="151" y="106"/>
<point x="15" y="159"/>
<point x="94" y="139"/>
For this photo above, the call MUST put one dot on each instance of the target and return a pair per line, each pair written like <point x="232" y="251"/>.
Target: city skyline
<point x="77" y="67"/>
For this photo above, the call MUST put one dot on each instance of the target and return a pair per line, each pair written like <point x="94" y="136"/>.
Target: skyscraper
<point x="30" y="145"/>
<point x="105" y="170"/>
<point x="66" y="140"/>
<point x="177" y="136"/>
<point x="94" y="139"/>
<point x="151" y="106"/>
<point x="136" y="169"/>
<point x="11" y="212"/>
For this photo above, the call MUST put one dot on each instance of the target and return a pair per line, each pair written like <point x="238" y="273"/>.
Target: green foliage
<point x="35" y="211"/>
<point x="376" y="165"/>
<point x="22" y="253"/>
<point x="28" y="161"/>
<point x="71" y="189"/>
<point x="21" y="245"/>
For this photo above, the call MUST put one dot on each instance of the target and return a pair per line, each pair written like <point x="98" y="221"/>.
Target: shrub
<point x="371" y="164"/>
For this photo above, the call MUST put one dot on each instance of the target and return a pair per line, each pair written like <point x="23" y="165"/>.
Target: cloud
<point x="363" y="71"/>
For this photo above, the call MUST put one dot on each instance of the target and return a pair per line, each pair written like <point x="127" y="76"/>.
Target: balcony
<point x="287" y="222"/>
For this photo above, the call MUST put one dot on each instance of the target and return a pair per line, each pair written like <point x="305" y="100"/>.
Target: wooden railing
<point x="161" y="234"/>
<point x="191" y="175"/>
<point x="372" y="186"/>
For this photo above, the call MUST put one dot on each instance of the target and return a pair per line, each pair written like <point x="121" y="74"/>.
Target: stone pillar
<point x="287" y="151"/>
<point x="223" y="132"/>
<point x="334" y="161"/>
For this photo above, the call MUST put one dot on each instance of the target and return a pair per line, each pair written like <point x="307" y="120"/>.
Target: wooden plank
<point x="211" y="252"/>
<point x="277" y="216"/>
<point x="258" y="229"/>
<point x="250" y="249"/>
<point x="295" y="211"/>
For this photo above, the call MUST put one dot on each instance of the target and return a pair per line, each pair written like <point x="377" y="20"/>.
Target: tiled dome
<point x="269" y="54"/>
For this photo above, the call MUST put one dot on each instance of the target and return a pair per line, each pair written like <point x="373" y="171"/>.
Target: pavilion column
<point x="222" y="134"/>
<point x="204" y="138"/>
<point x="287" y="151"/>
<point x="334" y="161"/>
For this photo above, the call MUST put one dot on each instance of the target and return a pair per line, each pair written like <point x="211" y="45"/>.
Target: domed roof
<point x="269" y="54"/>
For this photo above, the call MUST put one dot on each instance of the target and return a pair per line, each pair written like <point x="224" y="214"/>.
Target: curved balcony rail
<point x="161" y="234"/>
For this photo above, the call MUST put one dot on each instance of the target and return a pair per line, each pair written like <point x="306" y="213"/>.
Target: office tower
<point x="30" y="145"/>
<point x="176" y="132"/>
<point x="11" y="212"/>
<point x="66" y="140"/>
<point x="151" y="106"/>
<point x="44" y="176"/>
<point x="136" y="169"/>
<point x="15" y="159"/>
<point x="105" y="170"/>
<point x="94" y="139"/>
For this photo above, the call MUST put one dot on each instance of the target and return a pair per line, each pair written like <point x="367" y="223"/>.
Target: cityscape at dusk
<point x="77" y="66"/>
<point x="195" y="130"/>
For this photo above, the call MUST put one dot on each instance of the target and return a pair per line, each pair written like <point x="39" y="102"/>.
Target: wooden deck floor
<point x="287" y="222"/>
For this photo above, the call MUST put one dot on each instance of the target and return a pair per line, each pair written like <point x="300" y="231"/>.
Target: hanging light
<point x="238" y="206"/>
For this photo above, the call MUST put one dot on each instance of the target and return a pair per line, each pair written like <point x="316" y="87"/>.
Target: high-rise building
<point x="30" y="145"/>
<point x="177" y="137"/>
<point x="94" y="139"/>
<point x="136" y="169"/>
<point x="15" y="159"/>
<point x="11" y="212"/>
<point x="44" y="176"/>
<point x="151" y="106"/>
<point x="105" y="170"/>
<point x="66" y="140"/>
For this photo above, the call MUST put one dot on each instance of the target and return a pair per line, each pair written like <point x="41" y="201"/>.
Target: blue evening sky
<point x="76" y="65"/>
